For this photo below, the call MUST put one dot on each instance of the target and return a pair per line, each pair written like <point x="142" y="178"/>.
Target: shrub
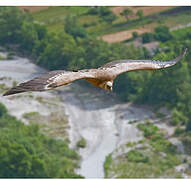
<point x="162" y="33"/>
<point x="147" y="37"/>
<point x="93" y="10"/>
<point x="178" y="131"/>
<point x="148" y="128"/>
<point x="126" y="13"/>
<point x="135" y="35"/>
<point x="140" y="14"/>
<point x="104" y="11"/>
<point x="161" y="29"/>
<point x="188" y="35"/>
<point x="109" y="18"/>
<point x="136" y="156"/>
<point x="157" y="136"/>
<point x="31" y="115"/>
<point x="107" y="164"/>
<point x="178" y="117"/>
<point x="131" y="144"/>
<point x="106" y="14"/>
<point x="81" y="143"/>
<point x="174" y="121"/>
<point x="73" y="28"/>
<point x="188" y="125"/>
<point x="163" y="145"/>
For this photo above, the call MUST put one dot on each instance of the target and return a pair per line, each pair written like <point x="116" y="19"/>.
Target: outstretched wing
<point x="121" y="66"/>
<point x="50" y="80"/>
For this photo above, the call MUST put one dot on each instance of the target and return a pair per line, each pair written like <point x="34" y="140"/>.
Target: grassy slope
<point x="152" y="157"/>
<point x="53" y="17"/>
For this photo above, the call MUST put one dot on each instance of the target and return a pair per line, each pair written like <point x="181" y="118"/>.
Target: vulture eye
<point x="109" y="87"/>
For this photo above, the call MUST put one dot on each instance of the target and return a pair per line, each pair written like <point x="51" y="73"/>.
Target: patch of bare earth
<point x="33" y="8"/>
<point x="125" y="35"/>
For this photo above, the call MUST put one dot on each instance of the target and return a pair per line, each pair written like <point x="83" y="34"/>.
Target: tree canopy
<point x="26" y="153"/>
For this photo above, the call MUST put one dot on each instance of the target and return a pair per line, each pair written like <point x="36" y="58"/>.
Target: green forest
<point x="73" y="48"/>
<point x="27" y="153"/>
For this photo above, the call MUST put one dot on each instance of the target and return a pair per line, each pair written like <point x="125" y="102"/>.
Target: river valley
<point x="93" y="114"/>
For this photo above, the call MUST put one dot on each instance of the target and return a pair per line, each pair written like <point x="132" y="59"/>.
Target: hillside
<point x="119" y="29"/>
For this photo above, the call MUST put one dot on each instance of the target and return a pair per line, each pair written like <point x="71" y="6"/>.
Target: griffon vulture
<point x="101" y="77"/>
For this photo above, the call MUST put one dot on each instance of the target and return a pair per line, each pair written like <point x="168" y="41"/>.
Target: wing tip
<point x="184" y="51"/>
<point x="181" y="56"/>
<point x="12" y="91"/>
<point x="6" y="94"/>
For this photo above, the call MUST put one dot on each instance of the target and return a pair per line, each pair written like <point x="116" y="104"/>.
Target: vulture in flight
<point x="101" y="77"/>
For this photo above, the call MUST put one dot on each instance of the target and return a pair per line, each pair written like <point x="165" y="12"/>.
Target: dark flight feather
<point x="36" y="84"/>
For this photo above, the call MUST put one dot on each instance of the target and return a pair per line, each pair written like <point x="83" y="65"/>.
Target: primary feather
<point x="121" y="66"/>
